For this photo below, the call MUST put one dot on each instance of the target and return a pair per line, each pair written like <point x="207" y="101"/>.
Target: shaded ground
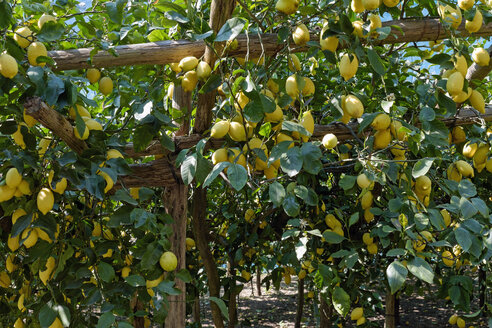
<point x="278" y="309"/>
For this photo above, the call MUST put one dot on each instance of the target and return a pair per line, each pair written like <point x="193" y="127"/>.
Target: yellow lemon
<point x="13" y="178"/>
<point x="168" y="261"/>
<point x="106" y="85"/>
<point x="45" y="200"/>
<point x="203" y="70"/>
<point x="189" y="82"/>
<point x="357" y="313"/>
<point x="60" y="186"/>
<point x="93" y="75"/>
<point x="56" y="324"/>
<point x="188" y="63"/>
<point x="30" y="237"/>
<point x="237" y="131"/>
<point x="370" y="4"/>
<point x="382" y="138"/>
<point x="454" y="85"/>
<point x="329" y="141"/>
<point x="381" y="122"/>
<point x="300" y="35"/>
<point x="475" y="24"/>
<point x="481" y="56"/>
<point x="35" y="50"/>
<point x="220" y="129"/>
<point x="477" y="101"/>
<point x="45" y="18"/>
<point x="287" y="7"/>
<point x="447" y="258"/>
<point x="84" y="136"/>
<point x="367" y="239"/>
<point x="8" y="66"/>
<point x="23" y="36"/>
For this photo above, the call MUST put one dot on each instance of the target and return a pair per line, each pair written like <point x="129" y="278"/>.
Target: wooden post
<point x="390" y="321"/>
<point x="325" y="312"/>
<point x="196" y="310"/>
<point x="232" y="306"/>
<point x="176" y="202"/>
<point x="300" y="303"/>
<point x="258" y="280"/>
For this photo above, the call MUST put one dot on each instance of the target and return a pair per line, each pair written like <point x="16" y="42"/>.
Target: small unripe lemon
<point x="106" y="85"/>
<point x="329" y="141"/>
<point x="23" y="36"/>
<point x="45" y="200"/>
<point x="93" y="75"/>
<point x="13" y="178"/>
<point x="168" y="261"/>
<point x="35" y="50"/>
<point x="8" y="66"/>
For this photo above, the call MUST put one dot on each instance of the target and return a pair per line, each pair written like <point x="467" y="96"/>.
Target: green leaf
<point x="151" y="256"/>
<point x="184" y="275"/>
<point x="396" y="252"/>
<point x="396" y="274"/>
<point x="291" y="162"/>
<point x="291" y="206"/>
<point x="21" y="224"/>
<point x="341" y="301"/>
<point x="6" y="14"/>
<point x="177" y="17"/>
<point x="213" y="82"/>
<point x="230" y="29"/>
<point x="124" y="196"/>
<point x="142" y="136"/>
<point x="54" y="88"/>
<point x="203" y="169"/>
<point x="238" y="176"/>
<point x="253" y="112"/>
<point x="267" y="104"/>
<point x="376" y="62"/>
<point x="139" y="217"/>
<point x="51" y="31"/>
<point x="463" y="237"/>
<point x="480" y="205"/>
<point x="439" y="59"/>
<point x="354" y="218"/>
<point x="347" y="181"/>
<point x="467" y="188"/>
<point x="167" y="142"/>
<point x="311" y="155"/>
<point x="219" y="167"/>
<point x="295" y="127"/>
<point x="46" y="315"/>
<point x="421" y="269"/>
<point x="188" y="169"/>
<point x="135" y="280"/>
<point x="220" y="303"/>
<point x="277" y="193"/>
<point x="427" y="114"/>
<point x="466" y="208"/>
<point x="106" y="271"/>
<point x="106" y="320"/>
<point x="115" y="10"/>
<point x="422" y="167"/>
<point x="332" y="237"/>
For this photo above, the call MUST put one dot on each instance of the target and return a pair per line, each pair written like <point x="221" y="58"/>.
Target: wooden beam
<point x="165" y="52"/>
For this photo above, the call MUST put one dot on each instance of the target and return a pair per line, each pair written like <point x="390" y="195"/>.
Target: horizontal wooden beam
<point x="165" y="52"/>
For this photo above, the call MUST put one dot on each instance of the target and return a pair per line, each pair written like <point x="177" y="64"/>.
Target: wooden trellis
<point x="162" y="172"/>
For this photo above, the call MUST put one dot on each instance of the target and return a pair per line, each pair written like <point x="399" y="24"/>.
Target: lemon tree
<point x="355" y="161"/>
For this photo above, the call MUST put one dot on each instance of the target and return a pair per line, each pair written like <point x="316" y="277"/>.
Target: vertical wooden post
<point x="325" y="312"/>
<point x="196" y="310"/>
<point x="175" y="200"/>
<point x="300" y="303"/>
<point x="390" y="320"/>
<point x="258" y="280"/>
<point x="232" y="306"/>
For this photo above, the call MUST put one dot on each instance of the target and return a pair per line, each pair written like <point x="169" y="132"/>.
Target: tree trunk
<point x="258" y="281"/>
<point x="397" y="310"/>
<point x="136" y="305"/>
<point x="300" y="302"/>
<point x="325" y="313"/>
<point x="201" y="231"/>
<point x="196" y="311"/>
<point x="482" y="286"/>
<point x="176" y="203"/>
<point x="390" y="321"/>
<point x="232" y="306"/>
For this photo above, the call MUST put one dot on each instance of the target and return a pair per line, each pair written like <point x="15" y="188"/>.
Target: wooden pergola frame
<point x="162" y="172"/>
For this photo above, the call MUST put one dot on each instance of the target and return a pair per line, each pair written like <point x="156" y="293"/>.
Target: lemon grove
<point x="332" y="155"/>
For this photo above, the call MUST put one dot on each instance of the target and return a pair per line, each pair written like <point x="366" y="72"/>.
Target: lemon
<point x="4" y="279"/>
<point x="18" y="137"/>
<point x="249" y="215"/>
<point x="363" y="181"/>
<point x="190" y="244"/>
<point x="30" y="237"/>
<point x="458" y="134"/>
<point x="56" y="324"/>
<point x="13" y="243"/>
<point x="294" y="63"/>
<point x="353" y="106"/>
<point x="391" y="3"/>
<point x="287" y="7"/>
<point x="330" y="43"/>
<point x="45" y="18"/>
<point x="450" y="15"/>
<point x="108" y="253"/>
<point x="220" y="129"/>
<point x="45" y="275"/>
<point x="175" y="67"/>
<point x="93" y="75"/>
<point x="23" y="36"/>
<point x="168" y="261"/>
<point x="423" y="184"/>
<point x="481" y="56"/>
<point x="9" y="263"/>
<point x="357" y="313"/>
<point x="382" y="138"/>
<point x="43" y="235"/>
<point x="219" y="156"/>
<point x="381" y="122"/>
<point x="13" y="178"/>
<point x="237" y="157"/>
<point x="245" y="275"/>
<point x="332" y="222"/>
<point x="35" y="50"/>
<point x="348" y="68"/>
<point x="8" y="66"/>
<point x="17" y="214"/>
<point x="106" y="85"/>
<point x="93" y="124"/>
<point x="375" y="22"/>
<point x="6" y="193"/>
<point x="454" y="85"/>
<point x="300" y="35"/>
<point x="362" y="320"/>
<point x="291" y="87"/>
<point x="447" y="258"/>
<point x="452" y="319"/>
<point x="270" y="172"/>
<point x="366" y="200"/>
<point x="308" y="88"/>
<point x="109" y="181"/>
<point x="20" y="303"/>
<point x="190" y="79"/>
<point x="488" y="165"/>
<point x="237" y="132"/>
<point x="464" y="168"/>
<point x="460" y="64"/>
<point x="372" y="249"/>
<point x="84" y="136"/>
<point x="329" y="141"/>
<point x="81" y="110"/>
<point x="475" y="24"/>
<point x="19" y="323"/>
<point x="45" y="200"/>
<point x="125" y="272"/>
<point x="367" y="239"/>
<point x="28" y="119"/>
<point x="357" y="6"/>
<point x="477" y="101"/>
<point x="203" y="70"/>
<point x="274" y="116"/>
<point x="60" y="186"/>
<point x="307" y="122"/>
<point x="188" y="63"/>
<point x="469" y="149"/>
<point x="460" y="323"/>
<point x="370" y="4"/>
<point x="462" y="96"/>
<point x="466" y="4"/>
<point x="113" y="153"/>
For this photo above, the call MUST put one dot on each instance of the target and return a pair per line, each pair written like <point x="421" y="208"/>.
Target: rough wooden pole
<point x="325" y="312"/>
<point x="390" y="317"/>
<point x="176" y="202"/>
<point x="258" y="280"/>
<point x="300" y="303"/>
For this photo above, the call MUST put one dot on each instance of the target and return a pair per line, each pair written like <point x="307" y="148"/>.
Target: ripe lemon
<point x="367" y="199"/>
<point x="287" y="7"/>
<point x="454" y="85"/>
<point x="353" y="106"/>
<point x="93" y="75"/>
<point x="168" y="261"/>
<point x="220" y="129"/>
<point x="477" y="101"/>
<point x="381" y="122"/>
<point x="35" y="50"/>
<point x="356" y="313"/>
<point x="272" y="86"/>
<point x="308" y="88"/>
<point x="391" y="3"/>
<point x="113" y="153"/>
<point x="8" y="66"/>
<point x="460" y="323"/>
<point x="291" y="87"/>
<point x="188" y="63"/>
<point x="237" y="157"/>
<point x="28" y="119"/>
<point x="453" y="319"/>
<point x="45" y="200"/>
<point x="446" y="217"/>
<point x="45" y="275"/>
<point x="30" y="237"/>
<point x="300" y="35"/>
<point x="367" y="239"/>
<point x="13" y="243"/>
<point x="109" y="181"/>
<point x="375" y="22"/>
<point x="237" y="131"/>
<point x="294" y="63"/>
<point x="469" y="149"/>
<point x="249" y="215"/>
<point x="203" y="70"/>
<point x="9" y="263"/>
<point x="175" y="67"/>
<point x="357" y="6"/>
<point x="106" y="85"/>
<point x="56" y="324"/>
<point x="84" y="136"/>
<point x="363" y="181"/>
<point x="4" y="279"/>
<point x="370" y="4"/>
<point x="17" y="214"/>
<point x="220" y="155"/>
<point x="19" y="323"/>
<point x="307" y="122"/>
<point x="447" y="258"/>
<point x="460" y="64"/>
<point x="60" y="186"/>
<point x="189" y="82"/>
<point x="330" y="43"/>
<point x="372" y="249"/>
<point x="481" y="56"/>
<point x="190" y="244"/>
<point x="270" y="172"/>
<point x="23" y="36"/>
<point x="13" y="178"/>
<point x="466" y="4"/>
<point x="93" y="124"/>
<point x="348" y="68"/>
<point x="382" y="138"/>
<point x="274" y="116"/>
<point x="423" y="184"/>
<point x="361" y="321"/>
<point x="475" y="24"/>
<point x="45" y="18"/>
<point x="329" y="141"/>
<point x="81" y="110"/>
<point x="458" y="134"/>
<point x="125" y="272"/>
<point x="464" y="168"/>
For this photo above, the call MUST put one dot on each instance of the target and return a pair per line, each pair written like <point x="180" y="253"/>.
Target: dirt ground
<point x="278" y="309"/>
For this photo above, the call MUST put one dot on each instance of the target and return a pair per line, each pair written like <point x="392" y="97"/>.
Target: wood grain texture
<point x="165" y="52"/>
